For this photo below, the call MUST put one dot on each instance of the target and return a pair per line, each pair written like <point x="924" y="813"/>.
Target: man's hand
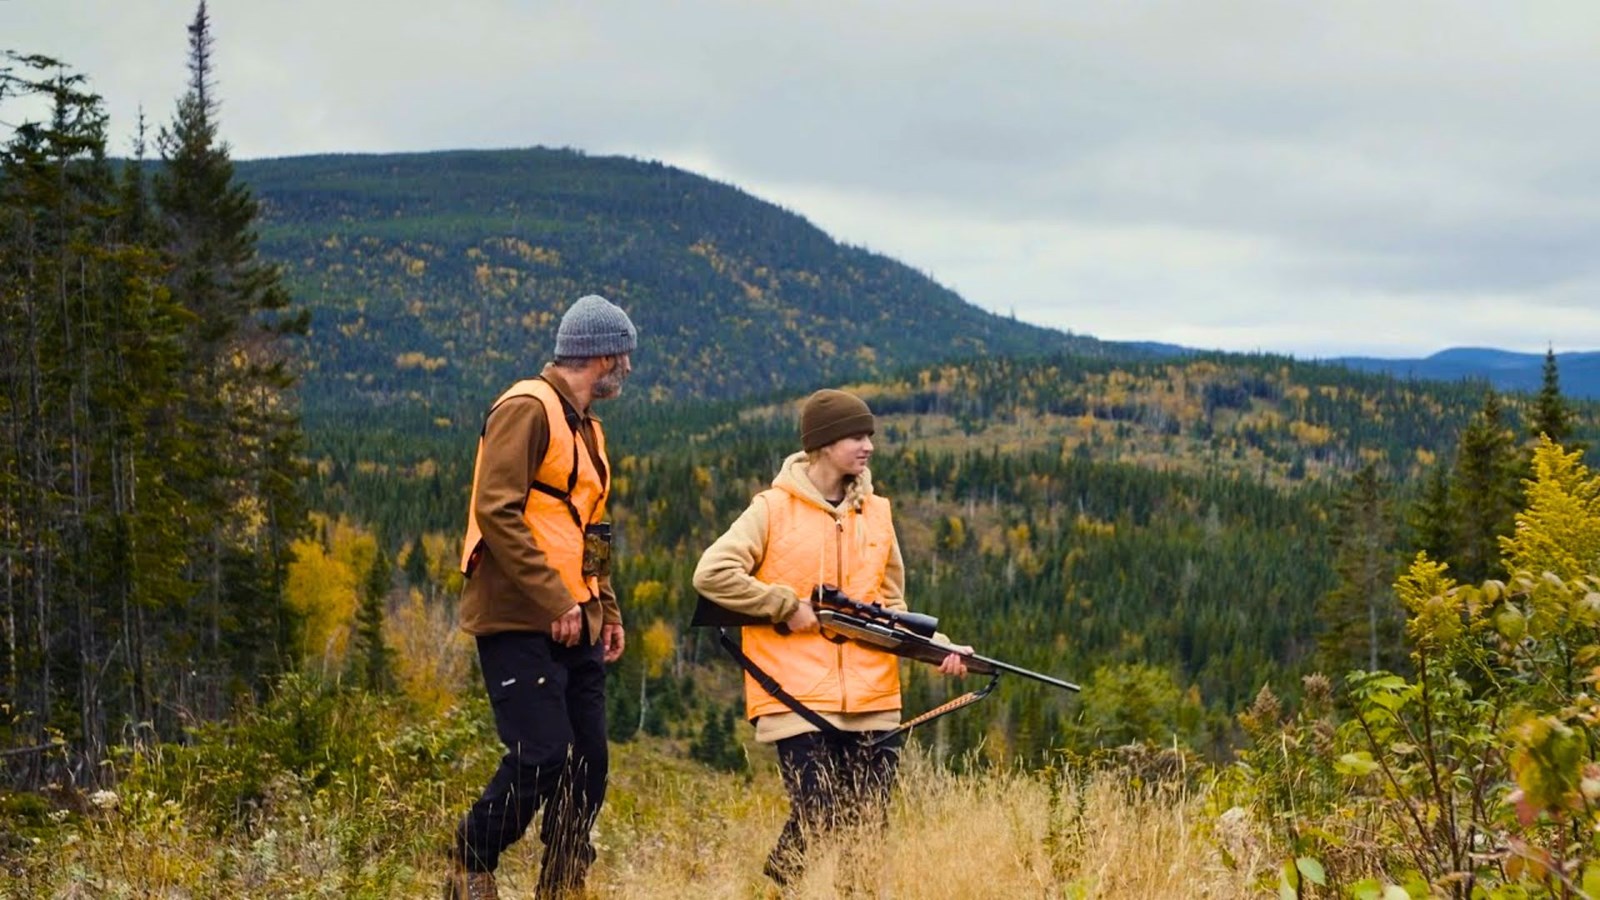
<point x="567" y="629"/>
<point x="804" y="620"/>
<point x="954" y="664"/>
<point x="612" y="638"/>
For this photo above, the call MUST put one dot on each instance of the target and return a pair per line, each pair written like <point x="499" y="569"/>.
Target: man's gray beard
<point x="609" y="385"/>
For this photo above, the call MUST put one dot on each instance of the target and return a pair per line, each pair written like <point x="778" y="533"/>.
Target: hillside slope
<point x="439" y="277"/>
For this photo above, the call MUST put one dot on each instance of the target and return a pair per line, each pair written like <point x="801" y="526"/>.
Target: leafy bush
<point x="1477" y="776"/>
<point x="309" y="737"/>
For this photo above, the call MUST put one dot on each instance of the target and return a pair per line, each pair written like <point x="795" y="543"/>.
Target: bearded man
<point x="539" y="602"/>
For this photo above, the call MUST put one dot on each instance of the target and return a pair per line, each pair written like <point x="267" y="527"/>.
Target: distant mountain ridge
<point x="439" y="278"/>
<point x="1505" y="370"/>
<point x="436" y="279"/>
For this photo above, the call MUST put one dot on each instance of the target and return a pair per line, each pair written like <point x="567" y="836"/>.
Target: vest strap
<point x="574" y="424"/>
<point x="564" y="496"/>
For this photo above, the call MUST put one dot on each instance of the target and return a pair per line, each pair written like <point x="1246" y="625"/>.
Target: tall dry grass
<point x="673" y="831"/>
<point x="670" y="829"/>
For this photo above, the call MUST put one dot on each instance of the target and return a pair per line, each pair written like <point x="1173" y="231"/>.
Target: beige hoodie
<point x="724" y="577"/>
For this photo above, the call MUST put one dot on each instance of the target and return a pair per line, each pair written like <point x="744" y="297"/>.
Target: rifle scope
<point x="916" y="623"/>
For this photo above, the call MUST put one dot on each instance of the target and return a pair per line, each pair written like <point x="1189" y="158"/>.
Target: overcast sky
<point x="1387" y="178"/>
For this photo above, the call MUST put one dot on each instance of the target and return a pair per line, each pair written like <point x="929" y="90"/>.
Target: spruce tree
<point x="241" y="406"/>
<point x="417" y="565"/>
<point x="1485" y="492"/>
<point x="137" y="224"/>
<point x="50" y="308"/>
<point x="1433" y="517"/>
<point x="1361" y="621"/>
<point x="623" y="708"/>
<point x="88" y="348"/>
<point x="372" y="659"/>
<point x="716" y="745"/>
<point x="147" y="575"/>
<point x="1551" y="416"/>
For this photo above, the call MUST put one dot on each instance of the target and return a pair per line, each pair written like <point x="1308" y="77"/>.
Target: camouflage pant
<point x="838" y="787"/>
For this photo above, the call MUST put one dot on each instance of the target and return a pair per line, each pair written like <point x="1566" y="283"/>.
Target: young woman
<point x="819" y="523"/>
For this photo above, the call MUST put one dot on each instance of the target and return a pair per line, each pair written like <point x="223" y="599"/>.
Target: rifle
<point x="906" y="634"/>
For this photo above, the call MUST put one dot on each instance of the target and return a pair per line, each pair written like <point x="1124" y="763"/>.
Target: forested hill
<point x="1580" y="372"/>
<point x="440" y="277"/>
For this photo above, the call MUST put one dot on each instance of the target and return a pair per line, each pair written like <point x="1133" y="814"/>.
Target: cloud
<point x="1219" y="173"/>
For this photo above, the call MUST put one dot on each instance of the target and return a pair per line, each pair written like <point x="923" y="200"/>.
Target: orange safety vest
<point x="568" y="493"/>
<point x="806" y="545"/>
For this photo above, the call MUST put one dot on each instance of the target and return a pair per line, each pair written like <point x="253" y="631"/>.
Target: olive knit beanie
<point x="594" y="326"/>
<point x="829" y="415"/>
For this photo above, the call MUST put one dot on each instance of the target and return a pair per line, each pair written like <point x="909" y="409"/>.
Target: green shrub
<point x="1478" y="776"/>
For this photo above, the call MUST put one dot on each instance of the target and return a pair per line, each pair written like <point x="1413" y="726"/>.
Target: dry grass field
<point x="673" y="829"/>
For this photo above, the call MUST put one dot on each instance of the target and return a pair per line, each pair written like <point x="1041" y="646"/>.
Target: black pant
<point x="550" y="710"/>
<point x="835" y="782"/>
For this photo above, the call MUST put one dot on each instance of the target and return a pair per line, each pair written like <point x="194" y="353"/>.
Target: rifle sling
<point x="771" y="686"/>
<point x="949" y="706"/>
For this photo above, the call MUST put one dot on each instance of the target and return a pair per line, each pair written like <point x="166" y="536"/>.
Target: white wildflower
<point x="104" y="799"/>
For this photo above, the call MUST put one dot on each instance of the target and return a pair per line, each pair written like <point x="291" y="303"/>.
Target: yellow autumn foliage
<point x="432" y="657"/>
<point x="1310" y="435"/>
<point x="443" y="556"/>
<point x="1559" y="530"/>
<point x="659" y="644"/>
<point x="416" y="360"/>
<point x="323" y="586"/>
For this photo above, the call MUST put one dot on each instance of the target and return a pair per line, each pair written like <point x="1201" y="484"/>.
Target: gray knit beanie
<point x="594" y="326"/>
<point x="829" y="415"/>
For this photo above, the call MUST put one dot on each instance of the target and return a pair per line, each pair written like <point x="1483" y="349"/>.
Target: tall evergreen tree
<point x="1551" y="416"/>
<point x="717" y="744"/>
<point x="87" y="351"/>
<point x="372" y="659"/>
<point x="1433" y="517"/>
<point x="241" y="406"/>
<point x="1486" y="490"/>
<point x="145" y="577"/>
<point x="416" y="567"/>
<point x="137" y="224"/>
<point x="45" y="212"/>
<point x="1362" y="623"/>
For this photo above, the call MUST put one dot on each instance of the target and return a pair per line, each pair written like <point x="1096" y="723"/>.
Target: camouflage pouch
<point x="597" y="550"/>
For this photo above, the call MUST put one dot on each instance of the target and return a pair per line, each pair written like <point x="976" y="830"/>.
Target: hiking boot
<point x="464" y="885"/>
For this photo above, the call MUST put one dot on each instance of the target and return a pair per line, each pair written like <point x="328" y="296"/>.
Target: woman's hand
<point x="804" y="620"/>
<point x="954" y="664"/>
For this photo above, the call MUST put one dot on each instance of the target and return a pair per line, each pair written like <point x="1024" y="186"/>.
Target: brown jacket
<point x="514" y="588"/>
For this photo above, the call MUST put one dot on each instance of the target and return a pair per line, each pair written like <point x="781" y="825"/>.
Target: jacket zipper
<point x="838" y="561"/>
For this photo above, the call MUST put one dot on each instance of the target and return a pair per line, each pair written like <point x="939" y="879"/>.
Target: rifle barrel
<point x="929" y="651"/>
<point x="1025" y="673"/>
